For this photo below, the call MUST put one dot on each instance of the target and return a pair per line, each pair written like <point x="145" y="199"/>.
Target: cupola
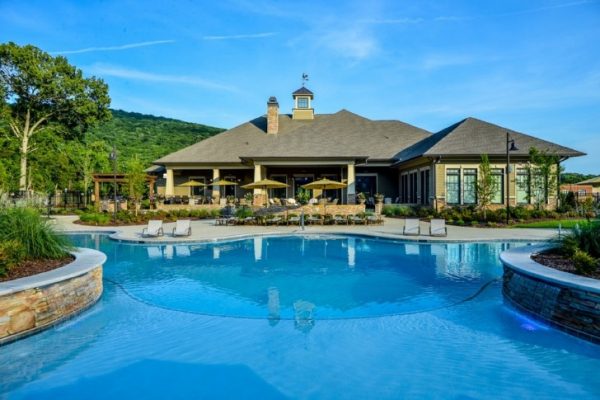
<point x="303" y="104"/>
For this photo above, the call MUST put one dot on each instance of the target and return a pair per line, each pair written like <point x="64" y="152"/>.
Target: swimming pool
<point x="300" y="317"/>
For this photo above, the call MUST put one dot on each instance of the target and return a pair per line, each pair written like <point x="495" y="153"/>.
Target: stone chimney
<point x="272" y="115"/>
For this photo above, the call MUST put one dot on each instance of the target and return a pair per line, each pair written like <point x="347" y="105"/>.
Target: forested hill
<point x="148" y="136"/>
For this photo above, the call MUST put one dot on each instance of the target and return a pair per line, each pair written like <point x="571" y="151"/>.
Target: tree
<point x="38" y="90"/>
<point x="136" y="180"/>
<point x="91" y="158"/>
<point x="544" y="170"/>
<point x="486" y="186"/>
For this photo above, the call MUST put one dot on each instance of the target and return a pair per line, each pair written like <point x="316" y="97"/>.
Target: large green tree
<point x="38" y="91"/>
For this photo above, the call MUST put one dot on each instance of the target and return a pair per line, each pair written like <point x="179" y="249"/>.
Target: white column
<point x="216" y="189"/>
<point x="170" y="184"/>
<point x="351" y="181"/>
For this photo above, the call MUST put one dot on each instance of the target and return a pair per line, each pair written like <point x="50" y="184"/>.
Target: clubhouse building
<point x="406" y="164"/>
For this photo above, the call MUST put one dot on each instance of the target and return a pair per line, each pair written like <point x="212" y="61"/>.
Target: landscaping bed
<point x="34" y="267"/>
<point x="577" y="252"/>
<point x="554" y="259"/>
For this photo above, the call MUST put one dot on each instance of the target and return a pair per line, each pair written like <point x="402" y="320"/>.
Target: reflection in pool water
<point x="300" y="317"/>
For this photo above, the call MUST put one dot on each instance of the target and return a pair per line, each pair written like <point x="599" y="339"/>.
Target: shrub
<point x="12" y="253"/>
<point x="584" y="263"/>
<point x="215" y="213"/>
<point x="38" y="238"/>
<point x="244" y="212"/>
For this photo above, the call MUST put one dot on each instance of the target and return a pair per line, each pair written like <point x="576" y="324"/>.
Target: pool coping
<point x="117" y="236"/>
<point x="519" y="259"/>
<point x="85" y="261"/>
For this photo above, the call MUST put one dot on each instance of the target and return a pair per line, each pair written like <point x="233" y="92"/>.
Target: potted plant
<point x="361" y="198"/>
<point x="249" y="197"/>
<point x="379" y="198"/>
<point x="303" y="196"/>
<point x="230" y="200"/>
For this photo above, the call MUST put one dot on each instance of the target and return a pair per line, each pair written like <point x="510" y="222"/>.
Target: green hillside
<point x="148" y="136"/>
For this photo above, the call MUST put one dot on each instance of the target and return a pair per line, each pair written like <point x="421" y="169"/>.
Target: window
<point x="522" y="186"/>
<point x="302" y="102"/>
<point x="453" y="186"/>
<point x="366" y="184"/>
<point x="470" y="186"/>
<point x="498" y="179"/>
<point x="424" y="187"/>
<point x="404" y="188"/>
<point x="282" y="192"/>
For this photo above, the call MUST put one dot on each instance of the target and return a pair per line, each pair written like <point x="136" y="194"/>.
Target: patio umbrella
<point x="266" y="184"/>
<point x="324" y="184"/>
<point x="192" y="183"/>
<point x="223" y="182"/>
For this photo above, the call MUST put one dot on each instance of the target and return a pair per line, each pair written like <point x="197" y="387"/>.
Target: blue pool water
<point x="300" y="317"/>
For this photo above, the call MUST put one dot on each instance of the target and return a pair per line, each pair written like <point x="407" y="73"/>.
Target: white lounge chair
<point x="412" y="227"/>
<point x="437" y="227"/>
<point x="182" y="228"/>
<point x="291" y="202"/>
<point x="153" y="229"/>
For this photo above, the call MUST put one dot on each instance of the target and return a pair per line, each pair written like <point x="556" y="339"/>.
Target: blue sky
<point x="533" y="66"/>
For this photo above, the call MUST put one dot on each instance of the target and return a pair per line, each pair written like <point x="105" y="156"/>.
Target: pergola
<point x="118" y="178"/>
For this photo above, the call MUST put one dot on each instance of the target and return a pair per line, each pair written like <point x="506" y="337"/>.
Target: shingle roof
<point x="339" y="135"/>
<point x="590" y="181"/>
<point x="304" y="91"/>
<point x="472" y="136"/>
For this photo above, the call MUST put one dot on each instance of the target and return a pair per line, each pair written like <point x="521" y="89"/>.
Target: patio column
<point x="216" y="192"/>
<point x="170" y="184"/>
<point x="260" y="173"/>
<point x="351" y="181"/>
<point x="97" y="194"/>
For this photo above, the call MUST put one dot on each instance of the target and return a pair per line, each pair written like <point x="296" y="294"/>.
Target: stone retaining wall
<point x="23" y="312"/>
<point x="570" y="308"/>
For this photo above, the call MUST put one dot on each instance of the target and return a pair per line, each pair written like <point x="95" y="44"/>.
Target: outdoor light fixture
<point x="510" y="146"/>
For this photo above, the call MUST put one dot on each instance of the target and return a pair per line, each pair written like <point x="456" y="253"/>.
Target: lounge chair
<point x="338" y="219"/>
<point x="315" y="219"/>
<point x="293" y="219"/>
<point x="355" y="219"/>
<point x="412" y="227"/>
<point x="153" y="229"/>
<point x="273" y="221"/>
<point x="249" y="221"/>
<point x="182" y="228"/>
<point x="374" y="220"/>
<point x="437" y="227"/>
<point x="291" y="202"/>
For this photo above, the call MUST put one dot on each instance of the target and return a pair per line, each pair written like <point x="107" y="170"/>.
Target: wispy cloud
<point x="394" y="21"/>
<point x="114" y="48"/>
<point x="126" y="73"/>
<point x="242" y="36"/>
<point x="354" y="43"/>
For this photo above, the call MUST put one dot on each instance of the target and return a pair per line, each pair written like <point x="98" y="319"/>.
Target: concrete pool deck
<point x="206" y="230"/>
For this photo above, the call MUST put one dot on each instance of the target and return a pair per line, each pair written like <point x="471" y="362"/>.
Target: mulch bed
<point x="557" y="261"/>
<point x="33" y="267"/>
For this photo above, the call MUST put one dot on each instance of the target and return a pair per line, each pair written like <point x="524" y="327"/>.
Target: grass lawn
<point x="553" y="224"/>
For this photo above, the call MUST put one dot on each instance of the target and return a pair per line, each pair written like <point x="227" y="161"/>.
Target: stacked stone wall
<point x="34" y="309"/>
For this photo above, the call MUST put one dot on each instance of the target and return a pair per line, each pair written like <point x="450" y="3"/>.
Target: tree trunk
<point x="24" y="153"/>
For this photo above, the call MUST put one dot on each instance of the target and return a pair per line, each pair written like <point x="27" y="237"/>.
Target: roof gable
<point x="343" y="134"/>
<point x="473" y="137"/>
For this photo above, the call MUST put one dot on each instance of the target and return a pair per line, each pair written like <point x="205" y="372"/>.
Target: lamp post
<point x="113" y="158"/>
<point x="510" y="146"/>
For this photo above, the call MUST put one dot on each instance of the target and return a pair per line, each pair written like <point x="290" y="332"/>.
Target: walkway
<point x="205" y="230"/>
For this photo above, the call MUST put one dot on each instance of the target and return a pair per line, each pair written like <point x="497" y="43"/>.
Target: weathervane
<point x="304" y="78"/>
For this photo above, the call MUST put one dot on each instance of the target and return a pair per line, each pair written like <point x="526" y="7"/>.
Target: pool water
<point x="300" y="317"/>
